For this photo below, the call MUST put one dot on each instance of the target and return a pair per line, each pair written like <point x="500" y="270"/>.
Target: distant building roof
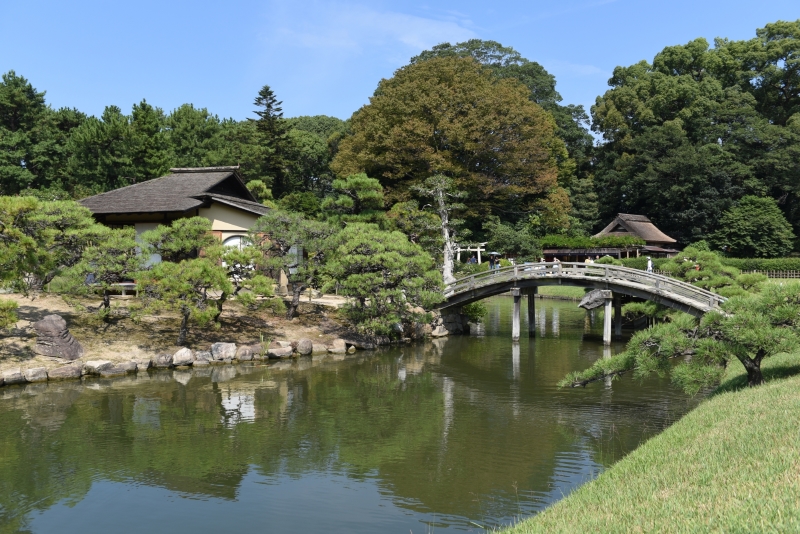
<point x="640" y="226"/>
<point x="183" y="190"/>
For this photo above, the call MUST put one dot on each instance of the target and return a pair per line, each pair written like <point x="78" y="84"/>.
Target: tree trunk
<point x="753" y="367"/>
<point x="447" y="267"/>
<point x="106" y="299"/>
<point x="220" y="302"/>
<point x="296" y="290"/>
<point x="184" y="329"/>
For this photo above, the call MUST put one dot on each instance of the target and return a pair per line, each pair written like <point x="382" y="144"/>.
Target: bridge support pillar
<point x="515" y="292"/>
<point x="608" y="298"/>
<point x="532" y="291"/>
<point x="617" y="316"/>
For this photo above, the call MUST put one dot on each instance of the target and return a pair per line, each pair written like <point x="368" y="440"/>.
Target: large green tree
<point x="689" y="134"/>
<point x="451" y="116"/>
<point x="272" y="131"/>
<point x="389" y="280"/>
<point x="294" y="245"/>
<point x="33" y="138"/>
<point x="754" y="228"/>
<point x="505" y="62"/>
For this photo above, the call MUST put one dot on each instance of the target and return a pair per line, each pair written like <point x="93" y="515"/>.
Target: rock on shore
<point x="54" y="339"/>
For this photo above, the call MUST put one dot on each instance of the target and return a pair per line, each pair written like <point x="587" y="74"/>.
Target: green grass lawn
<point x="730" y="465"/>
<point x="562" y="291"/>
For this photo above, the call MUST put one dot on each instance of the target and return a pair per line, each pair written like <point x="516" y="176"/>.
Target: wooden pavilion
<point x="657" y="243"/>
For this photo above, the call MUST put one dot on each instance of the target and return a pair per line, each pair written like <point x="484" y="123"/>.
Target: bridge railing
<point x="658" y="283"/>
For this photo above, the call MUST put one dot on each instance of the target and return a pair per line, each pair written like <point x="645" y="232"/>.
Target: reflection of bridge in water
<point x="524" y="279"/>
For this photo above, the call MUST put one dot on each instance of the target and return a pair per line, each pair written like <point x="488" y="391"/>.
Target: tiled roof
<point x="183" y="190"/>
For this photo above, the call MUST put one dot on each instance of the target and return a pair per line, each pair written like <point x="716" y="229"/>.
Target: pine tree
<point x="273" y="135"/>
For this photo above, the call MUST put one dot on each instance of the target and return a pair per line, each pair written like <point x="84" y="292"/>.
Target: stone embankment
<point x="218" y="354"/>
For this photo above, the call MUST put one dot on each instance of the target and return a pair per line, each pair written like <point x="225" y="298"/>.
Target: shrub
<point x="562" y="241"/>
<point x="475" y="311"/>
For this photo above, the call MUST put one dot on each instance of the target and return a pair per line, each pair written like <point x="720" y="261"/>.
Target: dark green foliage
<point x="760" y="264"/>
<point x="295" y="245"/>
<point x="320" y="125"/>
<point x="306" y="203"/>
<point x="562" y="241"/>
<point x="698" y="129"/>
<point x="38" y="240"/>
<point x="186" y="288"/>
<point x="515" y="241"/>
<point x="641" y="263"/>
<point x="181" y="240"/>
<point x="475" y="311"/>
<point x="262" y="193"/>
<point x="754" y="228"/>
<point x="390" y="280"/>
<point x="33" y="137"/>
<point x="114" y="257"/>
<point x="585" y="206"/>
<point x="273" y="137"/>
<point x="608" y="260"/>
<point x="357" y="198"/>
<point x="703" y="269"/>
<point x="422" y="227"/>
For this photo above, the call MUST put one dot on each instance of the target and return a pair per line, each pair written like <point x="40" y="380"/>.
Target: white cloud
<point x="355" y="28"/>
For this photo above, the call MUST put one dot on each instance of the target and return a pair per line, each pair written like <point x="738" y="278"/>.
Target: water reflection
<point x="439" y="433"/>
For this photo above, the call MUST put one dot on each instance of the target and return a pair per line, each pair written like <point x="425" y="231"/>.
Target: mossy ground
<point x="730" y="465"/>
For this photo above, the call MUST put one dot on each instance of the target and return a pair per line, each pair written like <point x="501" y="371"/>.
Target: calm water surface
<point x="457" y="434"/>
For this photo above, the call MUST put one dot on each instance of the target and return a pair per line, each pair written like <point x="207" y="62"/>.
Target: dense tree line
<point x="690" y="134"/>
<point x="689" y="139"/>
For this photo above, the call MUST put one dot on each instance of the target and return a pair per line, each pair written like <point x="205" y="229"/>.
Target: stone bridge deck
<point x="520" y="279"/>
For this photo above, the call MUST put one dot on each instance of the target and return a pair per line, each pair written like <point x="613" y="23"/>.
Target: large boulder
<point x="594" y="299"/>
<point x="184" y="356"/>
<point x="53" y="339"/>
<point x="64" y="372"/>
<point x="35" y="374"/>
<point x="319" y="348"/>
<point x="162" y="361"/>
<point x="246" y="353"/>
<point x="223" y="351"/>
<point x="143" y="364"/>
<point x="305" y="347"/>
<point x="95" y="367"/>
<point x="13" y="376"/>
<point x="280" y="352"/>
<point x="119" y="369"/>
<point x="338" y="346"/>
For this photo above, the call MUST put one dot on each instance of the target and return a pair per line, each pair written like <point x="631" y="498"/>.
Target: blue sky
<point x="326" y="57"/>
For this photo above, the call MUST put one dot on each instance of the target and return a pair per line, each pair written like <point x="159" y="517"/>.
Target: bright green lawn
<point x="562" y="291"/>
<point x="730" y="465"/>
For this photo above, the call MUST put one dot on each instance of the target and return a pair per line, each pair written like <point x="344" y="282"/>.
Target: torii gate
<point x="479" y="247"/>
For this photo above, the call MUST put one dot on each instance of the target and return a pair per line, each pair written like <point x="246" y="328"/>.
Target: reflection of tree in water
<point x="448" y="426"/>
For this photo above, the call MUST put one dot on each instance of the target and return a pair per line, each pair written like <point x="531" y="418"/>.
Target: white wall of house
<point x="144" y="227"/>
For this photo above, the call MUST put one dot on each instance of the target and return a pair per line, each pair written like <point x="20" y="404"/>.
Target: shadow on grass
<point x="775" y="368"/>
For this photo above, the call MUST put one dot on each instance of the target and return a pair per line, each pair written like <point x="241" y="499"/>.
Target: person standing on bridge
<point x="649" y="265"/>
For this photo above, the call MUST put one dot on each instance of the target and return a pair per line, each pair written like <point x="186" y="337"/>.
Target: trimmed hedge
<point x="641" y="262"/>
<point x="560" y="241"/>
<point x="743" y="264"/>
<point x="763" y="264"/>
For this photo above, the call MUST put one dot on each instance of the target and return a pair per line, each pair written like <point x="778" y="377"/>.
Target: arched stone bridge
<point x="523" y="279"/>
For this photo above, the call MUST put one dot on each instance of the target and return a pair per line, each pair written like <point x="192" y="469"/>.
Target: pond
<point x="460" y="434"/>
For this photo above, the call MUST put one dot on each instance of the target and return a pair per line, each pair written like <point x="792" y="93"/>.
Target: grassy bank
<point x="570" y="292"/>
<point x="730" y="465"/>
